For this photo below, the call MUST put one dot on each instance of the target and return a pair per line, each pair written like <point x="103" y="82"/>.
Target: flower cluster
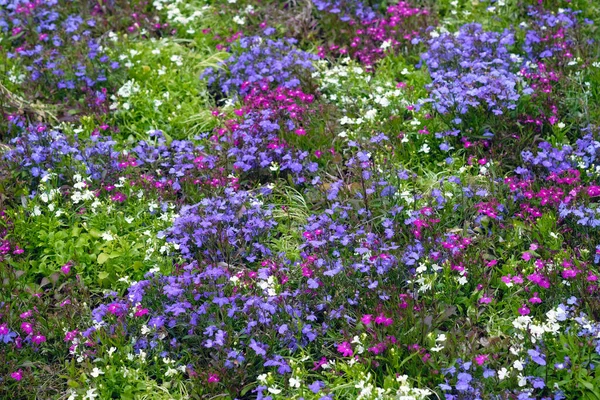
<point x="472" y="69"/>
<point x="261" y="60"/>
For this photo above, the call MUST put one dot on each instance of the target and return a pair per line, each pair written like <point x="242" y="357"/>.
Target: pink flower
<point x="485" y="300"/>
<point x="480" y="359"/>
<point x="141" y="312"/>
<point x="71" y="335"/>
<point x="319" y="363"/>
<point x="116" y="309"/>
<point x="524" y="310"/>
<point x="300" y="132"/>
<point x="569" y="273"/>
<point x="17" y="375"/>
<point x="526" y="256"/>
<point x="27" y="328"/>
<point x="213" y="378"/>
<point x="378" y="348"/>
<point x="535" y="299"/>
<point x="366" y="319"/>
<point x="26" y="314"/>
<point x="383" y="320"/>
<point x="38" y="339"/>
<point x="66" y="269"/>
<point x="118" y="197"/>
<point x="593" y="191"/>
<point x="65" y="302"/>
<point x="346" y="349"/>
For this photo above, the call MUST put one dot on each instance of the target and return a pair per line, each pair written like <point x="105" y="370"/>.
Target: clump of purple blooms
<point x="472" y="69"/>
<point x="261" y="60"/>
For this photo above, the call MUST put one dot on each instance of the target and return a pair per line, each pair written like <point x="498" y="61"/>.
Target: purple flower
<point x="537" y="357"/>
<point x="6" y="335"/>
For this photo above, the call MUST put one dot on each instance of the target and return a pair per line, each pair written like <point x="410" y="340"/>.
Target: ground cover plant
<point x="299" y="199"/>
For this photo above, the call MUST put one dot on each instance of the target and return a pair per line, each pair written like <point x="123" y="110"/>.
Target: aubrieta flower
<point x="345" y="349"/>
<point x="258" y="59"/>
<point x="472" y="69"/>
<point x="17" y="375"/>
<point x="38" y="339"/>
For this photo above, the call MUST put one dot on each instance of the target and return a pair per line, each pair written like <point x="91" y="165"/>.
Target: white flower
<point x="90" y="394"/>
<point x="96" y="372"/>
<point x="262" y="378"/>
<point x="370" y="115"/>
<point x="294" y="382"/>
<point x="239" y="20"/>
<point x="518" y="365"/>
<point x="437" y="348"/>
<point x="111" y="351"/>
<point x="177" y="60"/>
<point x="502" y="373"/>
<point x="171" y="371"/>
<point x="274" y="390"/>
<point x="129" y="88"/>
<point x="108" y="236"/>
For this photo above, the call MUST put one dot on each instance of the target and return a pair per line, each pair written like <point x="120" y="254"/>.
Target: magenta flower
<point x="213" y="378"/>
<point x="27" y="328"/>
<point x="66" y="269"/>
<point x="141" y="312"/>
<point x="38" y="339"/>
<point x="524" y="310"/>
<point x="383" y="320"/>
<point x="482" y="358"/>
<point x="118" y="197"/>
<point x="319" y="363"/>
<point x="71" y="335"/>
<point x="17" y="375"/>
<point x="346" y="349"/>
<point x="366" y="319"/>
<point x="485" y="300"/>
<point x="535" y="299"/>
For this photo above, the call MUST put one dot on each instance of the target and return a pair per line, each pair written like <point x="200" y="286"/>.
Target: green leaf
<point x="102" y="258"/>
<point x="102" y="276"/>
<point x="72" y="383"/>
<point x="96" y="234"/>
